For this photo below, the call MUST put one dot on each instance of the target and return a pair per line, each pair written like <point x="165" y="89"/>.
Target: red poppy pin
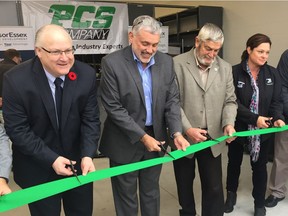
<point x="72" y="75"/>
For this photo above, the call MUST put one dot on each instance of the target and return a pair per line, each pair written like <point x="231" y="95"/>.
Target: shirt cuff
<point x="174" y="135"/>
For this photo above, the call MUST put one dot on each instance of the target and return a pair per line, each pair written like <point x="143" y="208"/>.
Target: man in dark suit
<point x="279" y="172"/>
<point x="11" y="58"/>
<point x="44" y="140"/>
<point x="140" y="96"/>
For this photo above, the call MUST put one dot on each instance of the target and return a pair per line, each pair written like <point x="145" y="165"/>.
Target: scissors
<point x="209" y="137"/>
<point x="269" y="122"/>
<point x="74" y="171"/>
<point x="165" y="150"/>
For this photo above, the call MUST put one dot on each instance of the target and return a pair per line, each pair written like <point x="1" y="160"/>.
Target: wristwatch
<point x="176" y="134"/>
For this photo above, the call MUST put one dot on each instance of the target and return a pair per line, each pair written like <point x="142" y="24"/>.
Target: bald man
<point x="44" y="138"/>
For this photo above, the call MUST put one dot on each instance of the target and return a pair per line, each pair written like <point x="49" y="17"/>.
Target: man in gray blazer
<point x="5" y="161"/>
<point x="208" y="105"/>
<point x="140" y="96"/>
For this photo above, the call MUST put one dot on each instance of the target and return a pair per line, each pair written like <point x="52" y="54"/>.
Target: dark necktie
<point x="58" y="98"/>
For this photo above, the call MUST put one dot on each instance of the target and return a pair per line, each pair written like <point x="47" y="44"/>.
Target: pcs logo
<point x="87" y="22"/>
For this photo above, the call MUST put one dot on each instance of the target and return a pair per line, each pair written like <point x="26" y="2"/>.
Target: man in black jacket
<point x="11" y="58"/>
<point x="279" y="172"/>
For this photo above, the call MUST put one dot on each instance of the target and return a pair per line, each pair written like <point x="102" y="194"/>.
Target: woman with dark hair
<point x="257" y="87"/>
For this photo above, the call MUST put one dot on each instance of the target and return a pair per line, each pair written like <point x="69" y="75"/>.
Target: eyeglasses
<point x="59" y="52"/>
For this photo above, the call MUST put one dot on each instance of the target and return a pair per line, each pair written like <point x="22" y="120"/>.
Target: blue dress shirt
<point x="147" y="87"/>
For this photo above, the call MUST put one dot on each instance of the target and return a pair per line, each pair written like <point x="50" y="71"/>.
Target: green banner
<point x="32" y="194"/>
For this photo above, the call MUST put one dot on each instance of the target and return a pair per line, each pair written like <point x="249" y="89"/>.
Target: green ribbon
<point x="32" y="194"/>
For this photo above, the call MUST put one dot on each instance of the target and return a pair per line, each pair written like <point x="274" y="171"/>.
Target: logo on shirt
<point x="240" y="84"/>
<point x="269" y="81"/>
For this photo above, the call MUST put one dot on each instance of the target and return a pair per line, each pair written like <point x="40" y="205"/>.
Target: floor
<point x="169" y="206"/>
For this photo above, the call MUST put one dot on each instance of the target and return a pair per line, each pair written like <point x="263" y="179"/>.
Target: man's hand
<point x="150" y="143"/>
<point x="181" y="143"/>
<point x="262" y="122"/>
<point x="87" y="165"/>
<point x="279" y="123"/>
<point x="229" y="130"/>
<point x="4" y="188"/>
<point x="196" y="134"/>
<point x="62" y="166"/>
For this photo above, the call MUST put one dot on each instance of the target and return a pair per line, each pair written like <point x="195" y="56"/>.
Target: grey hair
<point x="211" y="32"/>
<point x="147" y="23"/>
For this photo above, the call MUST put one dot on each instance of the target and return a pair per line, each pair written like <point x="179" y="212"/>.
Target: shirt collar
<point x="51" y="78"/>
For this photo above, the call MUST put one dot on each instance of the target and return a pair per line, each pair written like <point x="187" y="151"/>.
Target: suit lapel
<point x="155" y="74"/>
<point x="42" y="84"/>
<point x="134" y="72"/>
<point x="212" y="74"/>
<point x="193" y="69"/>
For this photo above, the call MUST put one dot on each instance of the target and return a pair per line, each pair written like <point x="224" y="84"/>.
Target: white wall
<point x="242" y="19"/>
<point x="8" y="13"/>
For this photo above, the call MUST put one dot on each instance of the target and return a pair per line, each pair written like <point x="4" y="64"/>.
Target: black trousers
<point x="146" y="180"/>
<point x="259" y="171"/>
<point x="78" y="201"/>
<point x="210" y="171"/>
